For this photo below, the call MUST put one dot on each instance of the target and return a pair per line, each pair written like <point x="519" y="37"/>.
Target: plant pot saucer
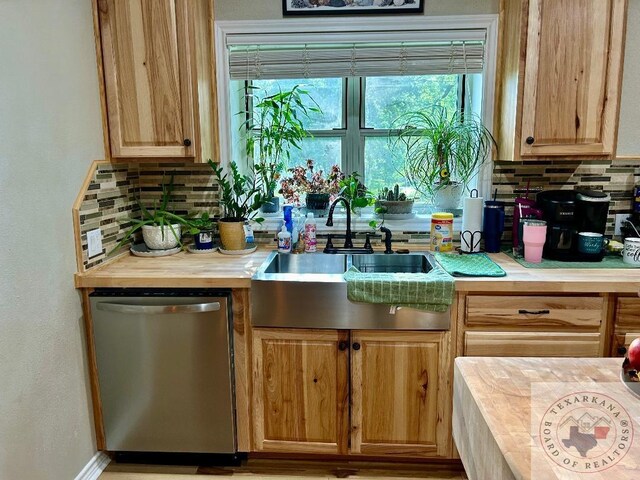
<point x="194" y="249"/>
<point x="141" y="250"/>
<point x="250" y="249"/>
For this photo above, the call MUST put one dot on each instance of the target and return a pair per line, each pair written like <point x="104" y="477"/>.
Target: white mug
<point x="631" y="253"/>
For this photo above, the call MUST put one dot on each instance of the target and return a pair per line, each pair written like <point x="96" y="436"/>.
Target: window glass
<point x="324" y="151"/>
<point x="386" y="98"/>
<point x="381" y="167"/>
<point x="327" y="92"/>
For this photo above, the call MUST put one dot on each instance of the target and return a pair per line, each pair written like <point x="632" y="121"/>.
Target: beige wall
<point x="50" y="130"/>
<point x="270" y="9"/>
<point x="629" y="133"/>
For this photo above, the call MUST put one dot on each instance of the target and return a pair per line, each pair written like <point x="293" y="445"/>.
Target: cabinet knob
<point x="530" y="140"/>
<point x="356" y="346"/>
<point x="187" y="142"/>
<point x="342" y="346"/>
<point x="622" y="350"/>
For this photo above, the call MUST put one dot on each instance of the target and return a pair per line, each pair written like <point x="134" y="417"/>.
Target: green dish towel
<point x="471" y="265"/>
<point x="433" y="291"/>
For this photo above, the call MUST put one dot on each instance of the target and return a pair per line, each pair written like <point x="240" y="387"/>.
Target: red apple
<point x="634" y="354"/>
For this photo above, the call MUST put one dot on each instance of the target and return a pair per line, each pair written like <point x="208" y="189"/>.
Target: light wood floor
<point x="285" y="470"/>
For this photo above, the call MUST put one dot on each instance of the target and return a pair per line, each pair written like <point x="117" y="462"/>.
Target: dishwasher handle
<point x="159" y="309"/>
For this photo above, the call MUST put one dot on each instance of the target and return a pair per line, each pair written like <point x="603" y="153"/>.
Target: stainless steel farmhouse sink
<point x="309" y="291"/>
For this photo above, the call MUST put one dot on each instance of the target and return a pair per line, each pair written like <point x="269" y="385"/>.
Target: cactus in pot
<point x="393" y="202"/>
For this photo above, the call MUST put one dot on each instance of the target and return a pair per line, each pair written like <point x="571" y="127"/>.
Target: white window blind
<point x="272" y="60"/>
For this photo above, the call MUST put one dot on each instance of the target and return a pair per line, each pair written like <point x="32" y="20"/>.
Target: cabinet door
<point x="300" y="380"/>
<point x="572" y="77"/>
<point x="398" y="393"/>
<point x="146" y="49"/>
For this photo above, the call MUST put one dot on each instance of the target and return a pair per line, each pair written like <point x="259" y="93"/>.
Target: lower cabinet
<point x="300" y="390"/>
<point x="627" y="324"/>
<point x="359" y="392"/>
<point x="397" y="394"/>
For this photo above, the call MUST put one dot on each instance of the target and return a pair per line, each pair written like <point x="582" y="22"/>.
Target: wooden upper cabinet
<point x="398" y="393"/>
<point x="560" y="81"/>
<point x="158" y="73"/>
<point x="300" y="398"/>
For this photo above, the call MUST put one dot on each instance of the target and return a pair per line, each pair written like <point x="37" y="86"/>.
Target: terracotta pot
<point x="232" y="234"/>
<point x="161" y="238"/>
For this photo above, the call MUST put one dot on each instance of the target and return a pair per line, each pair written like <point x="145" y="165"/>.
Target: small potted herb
<point x="393" y="202"/>
<point x="241" y="196"/>
<point x="356" y="192"/>
<point x="202" y="230"/>
<point x="316" y="188"/>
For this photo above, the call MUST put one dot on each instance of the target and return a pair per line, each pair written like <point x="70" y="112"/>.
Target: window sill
<point x="420" y="223"/>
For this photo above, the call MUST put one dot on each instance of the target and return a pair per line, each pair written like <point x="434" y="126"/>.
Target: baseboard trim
<point x="95" y="467"/>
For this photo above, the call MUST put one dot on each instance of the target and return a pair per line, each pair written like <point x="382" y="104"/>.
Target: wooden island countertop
<point x="492" y="417"/>
<point x="216" y="270"/>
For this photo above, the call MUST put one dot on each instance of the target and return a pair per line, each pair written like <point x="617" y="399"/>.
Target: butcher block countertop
<point x="567" y="280"/>
<point x="216" y="270"/>
<point x="183" y="270"/>
<point x="508" y="412"/>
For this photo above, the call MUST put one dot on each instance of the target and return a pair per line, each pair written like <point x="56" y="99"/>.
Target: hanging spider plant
<point x="439" y="149"/>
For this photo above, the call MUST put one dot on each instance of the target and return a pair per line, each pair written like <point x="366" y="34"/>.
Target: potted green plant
<point x="273" y="128"/>
<point x="352" y="188"/>
<point x="161" y="228"/>
<point x="393" y="202"/>
<point x="441" y="152"/>
<point x="202" y="230"/>
<point x="316" y="187"/>
<point x="241" y="196"/>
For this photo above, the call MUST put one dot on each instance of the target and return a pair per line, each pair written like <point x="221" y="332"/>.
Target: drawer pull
<point x="534" y="312"/>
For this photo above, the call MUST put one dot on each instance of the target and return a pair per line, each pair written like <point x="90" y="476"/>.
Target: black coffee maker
<point x="567" y="213"/>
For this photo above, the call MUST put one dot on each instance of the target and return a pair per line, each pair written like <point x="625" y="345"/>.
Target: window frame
<point x="353" y="29"/>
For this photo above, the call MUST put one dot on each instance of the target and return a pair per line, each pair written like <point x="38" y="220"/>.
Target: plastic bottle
<point x="284" y="240"/>
<point x="442" y="232"/>
<point x="310" y="241"/>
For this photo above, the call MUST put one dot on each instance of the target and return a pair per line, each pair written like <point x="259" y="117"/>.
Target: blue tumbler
<point x="493" y="225"/>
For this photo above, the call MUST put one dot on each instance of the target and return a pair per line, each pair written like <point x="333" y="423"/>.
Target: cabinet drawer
<point x="506" y="311"/>
<point x="508" y="344"/>
<point x="628" y="312"/>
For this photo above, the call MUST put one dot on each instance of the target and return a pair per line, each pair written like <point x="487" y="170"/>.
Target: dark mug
<point x="591" y="243"/>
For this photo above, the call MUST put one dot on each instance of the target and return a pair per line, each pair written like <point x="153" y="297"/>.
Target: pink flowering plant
<point x="305" y="179"/>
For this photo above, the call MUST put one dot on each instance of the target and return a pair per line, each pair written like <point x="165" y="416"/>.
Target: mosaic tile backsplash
<point x="617" y="178"/>
<point x="113" y="191"/>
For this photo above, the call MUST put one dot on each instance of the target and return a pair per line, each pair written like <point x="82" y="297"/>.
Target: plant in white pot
<point x="273" y="128"/>
<point x="161" y="228"/>
<point x="441" y="152"/>
<point x="241" y="197"/>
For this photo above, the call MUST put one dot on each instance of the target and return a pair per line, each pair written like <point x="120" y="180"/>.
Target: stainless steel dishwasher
<point x="165" y="369"/>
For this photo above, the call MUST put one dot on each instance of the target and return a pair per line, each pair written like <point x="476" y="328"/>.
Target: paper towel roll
<point x="471" y="224"/>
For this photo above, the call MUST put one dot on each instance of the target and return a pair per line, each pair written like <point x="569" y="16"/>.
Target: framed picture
<point x="351" y="7"/>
